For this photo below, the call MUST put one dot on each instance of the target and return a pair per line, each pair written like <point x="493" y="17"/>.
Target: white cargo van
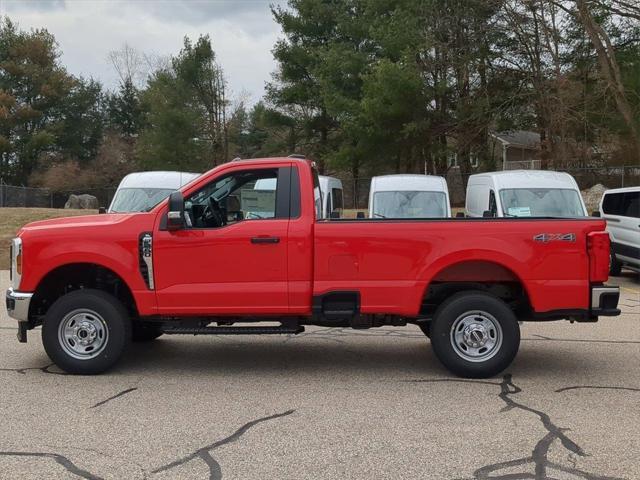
<point x="332" y="200"/>
<point x="621" y="208"/>
<point x="142" y="190"/>
<point x="524" y="193"/>
<point x="409" y="196"/>
<point x="331" y="188"/>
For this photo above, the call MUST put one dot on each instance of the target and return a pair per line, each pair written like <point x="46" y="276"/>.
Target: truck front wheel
<point x="475" y="335"/>
<point x="86" y="331"/>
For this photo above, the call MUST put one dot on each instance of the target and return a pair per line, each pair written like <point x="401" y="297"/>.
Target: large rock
<point x="592" y="196"/>
<point x="84" y="201"/>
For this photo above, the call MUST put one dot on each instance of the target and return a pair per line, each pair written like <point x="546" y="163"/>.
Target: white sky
<point x="242" y="33"/>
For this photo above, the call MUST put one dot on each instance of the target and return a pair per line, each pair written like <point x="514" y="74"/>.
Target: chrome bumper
<point x="18" y="305"/>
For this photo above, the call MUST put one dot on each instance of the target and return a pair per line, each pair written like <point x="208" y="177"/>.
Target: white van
<point x="621" y="208"/>
<point x="331" y="188"/>
<point x="524" y="193"/>
<point x="409" y="196"/>
<point x="140" y="191"/>
<point x="332" y="199"/>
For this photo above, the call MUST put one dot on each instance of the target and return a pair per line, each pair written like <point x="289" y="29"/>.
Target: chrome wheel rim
<point x="476" y="336"/>
<point x="83" y="334"/>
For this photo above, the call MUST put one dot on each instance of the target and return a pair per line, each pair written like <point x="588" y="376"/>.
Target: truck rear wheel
<point x="475" y="335"/>
<point x="86" y="331"/>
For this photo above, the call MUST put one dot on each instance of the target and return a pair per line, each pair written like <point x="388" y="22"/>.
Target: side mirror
<point x="335" y="214"/>
<point x="175" y="215"/>
<point x="487" y="214"/>
<point x="596" y="213"/>
<point x="360" y="215"/>
<point x="102" y="210"/>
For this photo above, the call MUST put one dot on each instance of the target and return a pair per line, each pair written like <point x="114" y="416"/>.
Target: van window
<point x="631" y="204"/>
<point x="541" y="202"/>
<point x="138" y="199"/>
<point x="612" y="203"/>
<point x="336" y="197"/>
<point x="625" y="204"/>
<point x="409" y="204"/>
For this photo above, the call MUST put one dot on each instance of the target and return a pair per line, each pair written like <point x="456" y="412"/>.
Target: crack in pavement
<point x="124" y="392"/>
<point x="60" y="459"/>
<point x="539" y="455"/>
<point x="23" y="371"/>
<point x="204" y="453"/>
<point x="597" y="387"/>
<point x="579" y="340"/>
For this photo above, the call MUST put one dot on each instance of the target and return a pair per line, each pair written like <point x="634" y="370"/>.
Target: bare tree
<point x="609" y="66"/>
<point x="130" y="65"/>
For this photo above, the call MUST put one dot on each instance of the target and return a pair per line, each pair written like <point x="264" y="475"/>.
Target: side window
<point x="612" y="204"/>
<point x="336" y="197"/>
<point x="240" y="196"/>
<point x="631" y="205"/>
<point x="493" y="207"/>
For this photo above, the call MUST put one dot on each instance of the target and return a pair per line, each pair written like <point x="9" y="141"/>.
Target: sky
<point x="242" y="32"/>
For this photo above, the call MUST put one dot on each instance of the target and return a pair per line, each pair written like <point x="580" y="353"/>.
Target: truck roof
<point x="528" y="179"/>
<point x="157" y="179"/>
<point x="407" y="182"/>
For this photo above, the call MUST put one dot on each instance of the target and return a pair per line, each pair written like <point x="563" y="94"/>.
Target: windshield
<point x="541" y="202"/>
<point x="138" y="199"/>
<point x="409" y="205"/>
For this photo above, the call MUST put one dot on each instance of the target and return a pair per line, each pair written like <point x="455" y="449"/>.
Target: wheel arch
<point x="74" y="276"/>
<point x="489" y="274"/>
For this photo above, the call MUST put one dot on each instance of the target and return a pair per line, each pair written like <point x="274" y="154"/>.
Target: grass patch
<point x="12" y="219"/>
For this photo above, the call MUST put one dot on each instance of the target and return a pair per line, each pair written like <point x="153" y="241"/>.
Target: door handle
<point x="265" y="240"/>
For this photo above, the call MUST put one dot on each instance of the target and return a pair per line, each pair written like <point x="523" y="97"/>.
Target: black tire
<point x="114" y="325"/>
<point x="471" y="312"/>
<point x="615" y="267"/>
<point x="145" y="332"/>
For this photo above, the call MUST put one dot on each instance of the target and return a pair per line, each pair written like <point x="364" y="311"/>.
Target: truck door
<point x="231" y="257"/>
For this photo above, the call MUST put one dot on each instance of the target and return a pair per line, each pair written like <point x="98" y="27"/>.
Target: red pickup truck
<point x="245" y="243"/>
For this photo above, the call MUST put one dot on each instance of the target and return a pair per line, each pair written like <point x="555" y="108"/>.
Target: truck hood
<point x="85" y="221"/>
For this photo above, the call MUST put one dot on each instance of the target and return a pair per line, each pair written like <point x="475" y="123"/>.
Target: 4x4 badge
<point x="555" y="237"/>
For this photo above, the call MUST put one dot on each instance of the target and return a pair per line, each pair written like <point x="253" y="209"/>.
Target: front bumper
<point x="18" y="308"/>
<point x="604" y="301"/>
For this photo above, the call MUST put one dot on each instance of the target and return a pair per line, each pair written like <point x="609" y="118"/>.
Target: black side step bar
<point x="234" y="330"/>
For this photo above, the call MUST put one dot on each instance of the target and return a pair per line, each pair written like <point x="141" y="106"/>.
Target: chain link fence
<point x="30" y="197"/>
<point x="356" y="191"/>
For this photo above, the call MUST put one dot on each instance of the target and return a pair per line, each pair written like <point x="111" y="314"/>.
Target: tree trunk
<point x="609" y="67"/>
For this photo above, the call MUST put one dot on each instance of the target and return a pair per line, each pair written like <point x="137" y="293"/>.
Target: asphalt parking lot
<point x="329" y="404"/>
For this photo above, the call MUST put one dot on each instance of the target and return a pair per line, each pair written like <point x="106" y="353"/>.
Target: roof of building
<point x="522" y="138"/>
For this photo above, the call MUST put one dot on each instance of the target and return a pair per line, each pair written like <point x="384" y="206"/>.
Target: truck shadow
<point x="263" y="357"/>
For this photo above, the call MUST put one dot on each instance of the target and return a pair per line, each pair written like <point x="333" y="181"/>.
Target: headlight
<point x="16" y="262"/>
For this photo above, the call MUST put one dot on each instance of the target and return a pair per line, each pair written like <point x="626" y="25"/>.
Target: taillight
<point x="598" y="247"/>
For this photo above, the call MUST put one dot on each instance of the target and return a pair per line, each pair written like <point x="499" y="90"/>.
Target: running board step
<point x="234" y="330"/>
